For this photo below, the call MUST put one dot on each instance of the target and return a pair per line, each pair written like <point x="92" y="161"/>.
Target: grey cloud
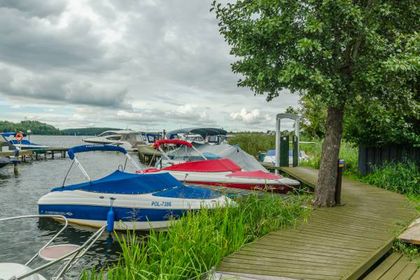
<point x="40" y="44"/>
<point x="114" y="53"/>
<point x="58" y="88"/>
<point x="38" y="8"/>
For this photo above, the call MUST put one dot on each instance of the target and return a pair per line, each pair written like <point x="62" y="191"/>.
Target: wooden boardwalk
<point x="336" y="243"/>
<point x="397" y="267"/>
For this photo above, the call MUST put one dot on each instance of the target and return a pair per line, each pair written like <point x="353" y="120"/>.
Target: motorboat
<point x="17" y="140"/>
<point x="199" y="135"/>
<point x="56" y="257"/>
<point x="137" y="201"/>
<point x="221" y="172"/>
<point x="128" y="139"/>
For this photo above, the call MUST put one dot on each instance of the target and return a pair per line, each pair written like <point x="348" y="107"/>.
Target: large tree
<point x="341" y="52"/>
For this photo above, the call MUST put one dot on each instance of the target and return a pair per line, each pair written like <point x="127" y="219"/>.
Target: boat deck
<point x="336" y="243"/>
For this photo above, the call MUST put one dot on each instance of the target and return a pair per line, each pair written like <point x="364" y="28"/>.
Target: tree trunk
<point x="327" y="177"/>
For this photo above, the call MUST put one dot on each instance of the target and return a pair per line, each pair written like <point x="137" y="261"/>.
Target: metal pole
<point x="277" y="144"/>
<point x="340" y="169"/>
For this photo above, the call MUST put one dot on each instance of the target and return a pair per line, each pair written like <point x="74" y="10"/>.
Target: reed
<point x="199" y="240"/>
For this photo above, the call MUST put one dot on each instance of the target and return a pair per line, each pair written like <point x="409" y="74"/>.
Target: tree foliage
<point x="361" y="54"/>
<point x="35" y="126"/>
<point x="343" y="53"/>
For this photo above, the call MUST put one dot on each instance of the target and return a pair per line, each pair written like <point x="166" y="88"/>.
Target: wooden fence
<point x="377" y="156"/>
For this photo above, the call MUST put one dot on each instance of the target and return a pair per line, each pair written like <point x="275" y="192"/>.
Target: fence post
<point x="340" y="169"/>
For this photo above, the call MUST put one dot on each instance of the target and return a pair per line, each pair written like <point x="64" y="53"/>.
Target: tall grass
<point x="253" y="143"/>
<point x="199" y="240"/>
<point x="398" y="177"/>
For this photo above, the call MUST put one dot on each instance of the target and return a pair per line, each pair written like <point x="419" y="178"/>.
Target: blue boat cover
<point x="24" y="142"/>
<point x="89" y="148"/>
<point x="126" y="183"/>
<point x="188" y="192"/>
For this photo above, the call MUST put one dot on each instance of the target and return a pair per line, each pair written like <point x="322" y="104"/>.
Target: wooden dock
<point x="343" y="242"/>
<point x="37" y="154"/>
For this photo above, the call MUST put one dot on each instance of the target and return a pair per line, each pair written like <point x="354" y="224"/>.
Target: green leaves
<point x="359" y="53"/>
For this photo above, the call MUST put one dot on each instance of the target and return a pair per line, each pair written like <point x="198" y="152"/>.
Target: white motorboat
<point x="128" y="139"/>
<point x="126" y="200"/>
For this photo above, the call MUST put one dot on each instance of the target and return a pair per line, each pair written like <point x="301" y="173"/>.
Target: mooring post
<point x="15" y="168"/>
<point x="340" y="169"/>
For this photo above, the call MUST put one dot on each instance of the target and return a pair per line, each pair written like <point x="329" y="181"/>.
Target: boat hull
<point x="138" y="212"/>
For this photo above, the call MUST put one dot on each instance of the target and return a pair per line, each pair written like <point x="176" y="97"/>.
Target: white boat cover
<point x="234" y="153"/>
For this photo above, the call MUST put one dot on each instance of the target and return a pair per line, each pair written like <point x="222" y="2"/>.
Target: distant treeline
<point x="41" y="128"/>
<point x="86" y="131"/>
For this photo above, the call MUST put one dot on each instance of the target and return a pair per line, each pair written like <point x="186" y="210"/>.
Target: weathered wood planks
<point x="337" y="243"/>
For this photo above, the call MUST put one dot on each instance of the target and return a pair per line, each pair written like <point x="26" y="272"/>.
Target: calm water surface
<point x="19" y="194"/>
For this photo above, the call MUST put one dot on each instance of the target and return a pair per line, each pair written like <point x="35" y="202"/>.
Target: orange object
<point x="19" y="136"/>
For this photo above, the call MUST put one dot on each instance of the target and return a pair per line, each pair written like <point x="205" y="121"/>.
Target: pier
<point x="343" y="242"/>
<point x="37" y="154"/>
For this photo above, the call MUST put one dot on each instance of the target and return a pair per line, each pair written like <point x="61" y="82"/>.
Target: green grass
<point x="199" y="240"/>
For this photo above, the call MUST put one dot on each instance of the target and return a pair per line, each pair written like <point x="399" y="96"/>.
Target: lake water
<point x="19" y="194"/>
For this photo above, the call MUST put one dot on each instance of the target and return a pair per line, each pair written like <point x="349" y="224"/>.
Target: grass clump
<point x="199" y="240"/>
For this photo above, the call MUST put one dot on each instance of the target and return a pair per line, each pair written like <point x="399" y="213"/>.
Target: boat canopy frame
<point x="70" y="258"/>
<point x="90" y="148"/>
<point x="179" y="142"/>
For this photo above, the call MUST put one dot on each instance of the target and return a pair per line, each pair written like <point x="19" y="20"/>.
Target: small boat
<point x="17" y="140"/>
<point x="128" y="139"/>
<point x="138" y="201"/>
<point x="61" y="257"/>
<point x="220" y="172"/>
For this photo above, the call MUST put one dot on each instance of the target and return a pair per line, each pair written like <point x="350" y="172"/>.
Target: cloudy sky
<point x="146" y="64"/>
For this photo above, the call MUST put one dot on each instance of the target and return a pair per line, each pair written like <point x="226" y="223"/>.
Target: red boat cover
<point x="158" y="143"/>
<point x="210" y="165"/>
<point x="255" y="174"/>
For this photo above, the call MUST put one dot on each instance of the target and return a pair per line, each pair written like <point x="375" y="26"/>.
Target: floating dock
<point x="342" y="242"/>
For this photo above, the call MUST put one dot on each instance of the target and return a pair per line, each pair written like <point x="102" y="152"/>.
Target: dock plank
<point x="336" y="243"/>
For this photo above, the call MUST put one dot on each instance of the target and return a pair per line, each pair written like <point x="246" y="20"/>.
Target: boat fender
<point x="110" y="220"/>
